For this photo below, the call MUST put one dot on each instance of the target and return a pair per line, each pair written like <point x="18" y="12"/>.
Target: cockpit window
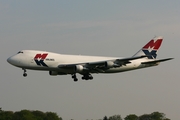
<point x="20" y="52"/>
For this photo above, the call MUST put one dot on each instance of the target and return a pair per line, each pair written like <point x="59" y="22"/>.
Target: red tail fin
<point x="151" y="48"/>
<point x="154" y="44"/>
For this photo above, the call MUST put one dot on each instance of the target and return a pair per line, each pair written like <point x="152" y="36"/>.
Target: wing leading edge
<point x="100" y="65"/>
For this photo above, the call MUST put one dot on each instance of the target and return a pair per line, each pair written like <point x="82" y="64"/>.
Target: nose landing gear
<point x="24" y="74"/>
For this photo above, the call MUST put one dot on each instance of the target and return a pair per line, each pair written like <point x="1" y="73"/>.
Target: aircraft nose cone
<point x="9" y="60"/>
<point x="13" y="60"/>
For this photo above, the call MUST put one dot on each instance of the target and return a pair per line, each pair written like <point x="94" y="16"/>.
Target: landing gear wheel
<point x="87" y="77"/>
<point x="74" y="77"/>
<point x="91" y="77"/>
<point x="25" y="74"/>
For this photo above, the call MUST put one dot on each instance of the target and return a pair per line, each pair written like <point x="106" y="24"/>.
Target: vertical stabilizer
<point x="151" y="48"/>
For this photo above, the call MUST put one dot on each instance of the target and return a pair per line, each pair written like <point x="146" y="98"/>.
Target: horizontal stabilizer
<point x="157" y="61"/>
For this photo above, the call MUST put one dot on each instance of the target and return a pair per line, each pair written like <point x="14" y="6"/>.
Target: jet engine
<point x="79" y="68"/>
<point x="110" y="64"/>
<point x="54" y="73"/>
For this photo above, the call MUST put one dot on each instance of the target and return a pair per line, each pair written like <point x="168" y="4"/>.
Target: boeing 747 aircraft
<point x="61" y="64"/>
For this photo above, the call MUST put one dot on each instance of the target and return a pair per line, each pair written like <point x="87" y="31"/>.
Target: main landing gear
<point x="84" y="77"/>
<point x="74" y="77"/>
<point x="24" y="74"/>
<point x="87" y="77"/>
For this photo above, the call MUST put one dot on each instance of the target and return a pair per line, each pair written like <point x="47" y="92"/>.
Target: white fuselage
<point x="26" y="60"/>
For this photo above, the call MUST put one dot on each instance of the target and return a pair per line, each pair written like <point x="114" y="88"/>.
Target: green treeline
<point x="39" y="115"/>
<point x="28" y="115"/>
<point x="152" y="116"/>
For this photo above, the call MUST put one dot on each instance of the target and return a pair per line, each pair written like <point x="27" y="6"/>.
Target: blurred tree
<point x="167" y="119"/>
<point x="131" y="117"/>
<point x="157" y="116"/>
<point x="52" y="116"/>
<point x="115" y="117"/>
<point x="23" y="115"/>
<point x="39" y="115"/>
<point x="105" y="118"/>
<point x="153" y="116"/>
<point x="6" y="115"/>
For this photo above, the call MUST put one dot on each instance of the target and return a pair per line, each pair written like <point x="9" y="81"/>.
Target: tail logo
<point x="39" y="59"/>
<point x="153" y="45"/>
<point x="150" y="55"/>
<point x="150" y="49"/>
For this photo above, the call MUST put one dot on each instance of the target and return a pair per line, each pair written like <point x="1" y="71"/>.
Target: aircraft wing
<point x="101" y="65"/>
<point x="127" y="60"/>
<point x="157" y="61"/>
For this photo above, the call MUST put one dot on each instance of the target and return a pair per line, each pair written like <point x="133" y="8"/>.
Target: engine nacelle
<point x="79" y="68"/>
<point x="109" y="64"/>
<point x="54" y="73"/>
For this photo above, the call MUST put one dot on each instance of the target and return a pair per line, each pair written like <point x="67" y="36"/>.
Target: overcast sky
<point x="103" y="28"/>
